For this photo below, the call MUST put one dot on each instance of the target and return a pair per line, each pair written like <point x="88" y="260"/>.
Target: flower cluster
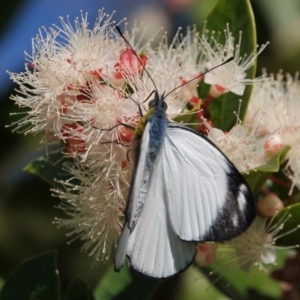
<point x="81" y="85"/>
<point x="276" y="102"/>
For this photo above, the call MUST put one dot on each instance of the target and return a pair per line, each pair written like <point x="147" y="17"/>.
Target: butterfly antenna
<point x="223" y="63"/>
<point x="138" y="58"/>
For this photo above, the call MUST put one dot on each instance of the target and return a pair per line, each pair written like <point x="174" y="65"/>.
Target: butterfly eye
<point x="165" y="106"/>
<point x="151" y="103"/>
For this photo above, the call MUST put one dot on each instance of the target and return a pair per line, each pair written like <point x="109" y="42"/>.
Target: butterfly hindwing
<point x="208" y="199"/>
<point x="154" y="249"/>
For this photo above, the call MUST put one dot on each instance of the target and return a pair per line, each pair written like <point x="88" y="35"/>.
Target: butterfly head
<point x="158" y="102"/>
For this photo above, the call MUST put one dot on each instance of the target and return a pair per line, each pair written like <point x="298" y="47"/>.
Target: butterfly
<point x="184" y="191"/>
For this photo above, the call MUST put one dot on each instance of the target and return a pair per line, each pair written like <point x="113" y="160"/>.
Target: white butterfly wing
<point x="208" y="199"/>
<point x="154" y="248"/>
<point x="136" y="199"/>
<point x="192" y="193"/>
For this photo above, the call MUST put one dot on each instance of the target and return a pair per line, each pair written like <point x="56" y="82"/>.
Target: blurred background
<point x="26" y="206"/>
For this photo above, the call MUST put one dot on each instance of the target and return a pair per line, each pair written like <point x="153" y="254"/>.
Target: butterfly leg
<point x="115" y="126"/>
<point x="118" y="143"/>
<point x="127" y="154"/>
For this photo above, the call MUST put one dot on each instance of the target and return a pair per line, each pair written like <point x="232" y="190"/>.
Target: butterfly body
<point x="184" y="191"/>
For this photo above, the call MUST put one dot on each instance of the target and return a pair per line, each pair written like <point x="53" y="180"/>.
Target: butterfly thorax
<point x="158" y="124"/>
<point x="157" y="107"/>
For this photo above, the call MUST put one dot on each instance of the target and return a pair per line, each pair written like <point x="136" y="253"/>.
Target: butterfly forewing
<point x="208" y="199"/>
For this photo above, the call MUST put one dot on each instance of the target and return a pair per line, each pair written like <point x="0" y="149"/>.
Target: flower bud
<point x="206" y="254"/>
<point x="269" y="205"/>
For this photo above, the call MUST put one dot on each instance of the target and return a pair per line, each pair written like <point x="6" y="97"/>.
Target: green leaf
<point x="189" y="118"/>
<point x="238" y="14"/>
<point x="257" y="177"/>
<point x="1" y="283"/>
<point x="125" y="285"/>
<point x="238" y="285"/>
<point x="256" y="180"/>
<point x="221" y="283"/>
<point x="34" y="279"/>
<point x="253" y="294"/>
<point x="79" y="290"/>
<point x="273" y="164"/>
<point x="49" y="168"/>
<point x="290" y="224"/>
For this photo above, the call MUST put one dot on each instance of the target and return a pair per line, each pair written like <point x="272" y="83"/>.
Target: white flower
<point x="101" y="115"/>
<point x="241" y="145"/>
<point x="94" y="208"/>
<point x="189" y="58"/>
<point x="256" y="246"/>
<point x="277" y="102"/>
<point x="231" y="76"/>
<point x="63" y="63"/>
<point x="169" y="66"/>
